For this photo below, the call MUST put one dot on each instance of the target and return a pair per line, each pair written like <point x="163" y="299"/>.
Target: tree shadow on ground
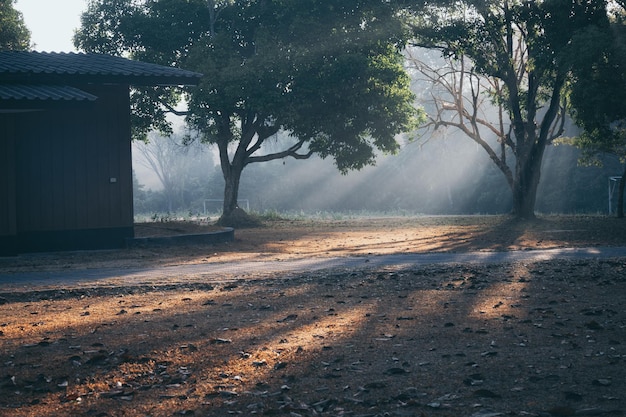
<point x="440" y="340"/>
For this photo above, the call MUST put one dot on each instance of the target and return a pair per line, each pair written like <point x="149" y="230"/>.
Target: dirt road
<point x="229" y="271"/>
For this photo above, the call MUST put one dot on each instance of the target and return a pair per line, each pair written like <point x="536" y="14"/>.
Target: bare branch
<point x="461" y="99"/>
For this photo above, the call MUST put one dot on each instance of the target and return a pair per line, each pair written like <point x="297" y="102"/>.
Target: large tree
<point x="513" y="51"/>
<point x="327" y="72"/>
<point x="14" y="35"/>
<point x="598" y="93"/>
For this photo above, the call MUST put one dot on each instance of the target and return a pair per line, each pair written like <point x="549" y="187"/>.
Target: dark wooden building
<point x="65" y="148"/>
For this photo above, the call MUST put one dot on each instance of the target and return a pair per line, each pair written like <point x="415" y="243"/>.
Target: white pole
<point x="610" y="195"/>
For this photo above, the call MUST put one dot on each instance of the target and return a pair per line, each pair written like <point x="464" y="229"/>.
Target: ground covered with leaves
<point x="523" y="339"/>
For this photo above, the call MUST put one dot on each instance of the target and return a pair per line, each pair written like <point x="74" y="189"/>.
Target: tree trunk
<point x="524" y="197"/>
<point x="232" y="215"/>
<point x="527" y="175"/>
<point x="232" y="178"/>
<point x="168" y="194"/>
<point x="231" y="171"/>
<point x="620" y="195"/>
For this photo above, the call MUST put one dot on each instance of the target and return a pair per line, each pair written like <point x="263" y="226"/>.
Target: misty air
<point x="312" y="208"/>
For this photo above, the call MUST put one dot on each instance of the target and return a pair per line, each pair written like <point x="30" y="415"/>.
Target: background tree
<point x="327" y="72"/>
<point x="14" y="35"/>
<point x="457" y="99"/>
<point x="598" y="93"/>
<point x="179" y="168"/>
<point x="519" y="48"/>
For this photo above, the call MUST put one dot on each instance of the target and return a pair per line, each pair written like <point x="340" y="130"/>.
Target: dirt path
<point x="216" y="273"/>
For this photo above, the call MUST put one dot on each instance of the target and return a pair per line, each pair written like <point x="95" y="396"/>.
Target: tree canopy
<point x="598" y="92"/>
<point x="14" y="35"/>
<point x="522" y="47"/>
<point x="328" y="72"/>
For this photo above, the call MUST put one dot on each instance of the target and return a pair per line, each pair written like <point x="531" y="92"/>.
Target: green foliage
<point x="328" y="72"/>
<point x="14" y="35"/>
<point x="598" y="93"/>
<point x="598" y="90"/>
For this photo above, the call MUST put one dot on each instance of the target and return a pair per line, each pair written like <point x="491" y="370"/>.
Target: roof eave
<point x="82" y="79"/>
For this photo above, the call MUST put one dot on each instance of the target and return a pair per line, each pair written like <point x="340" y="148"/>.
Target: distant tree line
<point x="414" y="181"/>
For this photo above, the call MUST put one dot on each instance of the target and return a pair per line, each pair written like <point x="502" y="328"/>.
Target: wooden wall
<point x="74" y="175"/>
<point x="8" y="226"/>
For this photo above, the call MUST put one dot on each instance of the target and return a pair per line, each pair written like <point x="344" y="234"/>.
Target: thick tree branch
<point x="175" y="112"/>
<point x="262" y="133"/>
<point x="291" y="152"/>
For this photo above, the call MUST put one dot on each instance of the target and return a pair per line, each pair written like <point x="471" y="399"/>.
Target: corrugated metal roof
<point x="24" y="65"/>
<point x="44" y="92"/>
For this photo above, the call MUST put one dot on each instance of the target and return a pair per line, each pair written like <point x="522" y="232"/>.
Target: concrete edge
<point x="209" y="238"/>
